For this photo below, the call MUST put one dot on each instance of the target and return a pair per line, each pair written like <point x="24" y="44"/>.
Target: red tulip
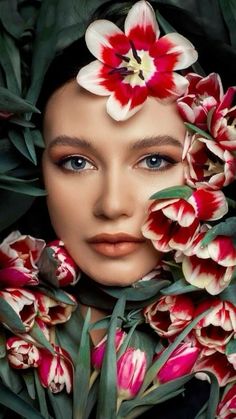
<point x="131" y="369"/>
<point x="22" y="354"/>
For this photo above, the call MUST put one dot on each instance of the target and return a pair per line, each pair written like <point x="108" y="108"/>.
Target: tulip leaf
<point x="229" y="293"/>
<point x="142" y="290"/>
<point x="108" y="381"/>
<point x="82" y="372"/>
<point x="2" y="344"/>
<point x="28" y="378"/>
<point x="231" y="347"/>
<point x="5" y="61"/>
<point x="225" y="228"/>
<point x="179" y="287"/>
<point x="151" y="373"/>
<point x="183" y="192"/>
<point x="10" y="318"/>
<point x="10" y="102"/>
<point x="11" y="19"/>
<point x="21" y="186"/>
<point x="36" y="333"/>
<point x="61" y="405"/>
<point x="9" y="377"/>
<point x="58" y="295"/>
<point x="41" y="397"/>
<point x="12" y="207"/>
<point x="196" y="130"/>
<point x="17" y="404"/>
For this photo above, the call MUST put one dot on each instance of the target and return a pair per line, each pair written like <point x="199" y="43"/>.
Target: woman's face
<point x="99" y="175"/>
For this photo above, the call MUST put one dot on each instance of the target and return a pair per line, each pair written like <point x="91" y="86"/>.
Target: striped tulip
<point x="99" y="350"/>
<point x="136" y="64"/>
<point x="24" y="303"/>
<point x="226" y="409"/>
<point x="22" y="354"/>
<point x="131" y="369"/>
<point x="52" y="311"/>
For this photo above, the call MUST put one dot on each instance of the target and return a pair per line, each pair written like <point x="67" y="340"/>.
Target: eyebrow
<point x="158" y="140"/>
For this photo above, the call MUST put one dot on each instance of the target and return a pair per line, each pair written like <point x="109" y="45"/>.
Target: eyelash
<point x="169" y="161"/>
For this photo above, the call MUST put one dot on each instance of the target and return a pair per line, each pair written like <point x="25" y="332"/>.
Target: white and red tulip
<point x="203" y="94"/>
<point x="52" y="311"/>
<point x="173" y="223"/>
<point x="169" y="315"/>
<point x="208" y="164"/>
<point x="226" y="409"/>
<point x="180" y="363"/>
<point x="24" y="303"/>
<point x="99" y="350"/>
<point x="131" y="369"/>
<point x="222" y="122"/>
<point x="217" y="327"/>
<point x="18" y="257"/>
<point x="136" y="64"/>
<point x="55" y="370"/>
<point x="218" y="365"/>
<point x="22" y="354"/>
<point x="67" y="272"/>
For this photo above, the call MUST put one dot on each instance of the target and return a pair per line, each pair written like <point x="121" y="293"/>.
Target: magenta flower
<point x="203" y="94"/>
<point x="226" y="409"/>
<point x="24" y="303"/>
<point x="136" y="64"/>
<point x="131" y="369"/>
<point x="173" y="223"/>
<point x="180" y="362"/>
<point x="67" y="272"/>
<point x="18" y="257"/>
<point x="22" y="354"/>
<point x="169" y="315"/>
<point x="99" y="350"/>
<point x="52" y="311"/>
<point x="56" y="371"/>
<point x="218" y="365"/>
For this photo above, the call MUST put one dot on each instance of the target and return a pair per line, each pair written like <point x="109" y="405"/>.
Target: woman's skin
<point x="99" y="175"/>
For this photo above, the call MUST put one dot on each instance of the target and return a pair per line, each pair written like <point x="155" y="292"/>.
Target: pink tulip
<point x="227" y="407"/>
<point x="24" y="303"/>
<point x="52" y="311"/>
<point x="216" y="363"/>
<point x="22" y="354"/>
<point x="169" y="315"/>
<point x="18" y="257"/>
<point x="180" y="362"/>
<point x="67" y="272"/>
<point x="99" y="350"/>
<point x="131" y="369"/>
<point x="56" y="371"/>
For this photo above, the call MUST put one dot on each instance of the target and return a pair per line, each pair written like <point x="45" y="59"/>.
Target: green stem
<point x="149" y="390"/>
<point x="93" y="378"/>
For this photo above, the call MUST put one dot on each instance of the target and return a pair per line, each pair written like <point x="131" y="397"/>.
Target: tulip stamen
<point x="135" y="54"/>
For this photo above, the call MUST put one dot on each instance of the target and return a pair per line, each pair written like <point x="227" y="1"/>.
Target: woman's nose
<point x="114" y="196"/>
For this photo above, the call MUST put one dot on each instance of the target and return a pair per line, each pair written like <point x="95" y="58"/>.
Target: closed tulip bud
<point x="22" y="354"/>
<point x="55" y="370"/>
<point x="131" y="369"/>
<point x="99" y="350"/>
<point x="180" y="362"/>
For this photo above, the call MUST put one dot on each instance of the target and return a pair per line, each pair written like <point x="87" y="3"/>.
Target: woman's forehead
<point x="73" y="112"/>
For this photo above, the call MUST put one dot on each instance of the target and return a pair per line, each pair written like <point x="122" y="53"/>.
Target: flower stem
<point x="119" y="401"/>
<point x="149" y="390"/>
<point x="93" y="378"/>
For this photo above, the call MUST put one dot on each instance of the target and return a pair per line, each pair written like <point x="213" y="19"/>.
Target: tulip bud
<point x="131" y="369"/>
<point x="99" y="350"/>
<point x="55" y="370"/>
<point x="180" y="362"/>
<point x="22" y="354"/>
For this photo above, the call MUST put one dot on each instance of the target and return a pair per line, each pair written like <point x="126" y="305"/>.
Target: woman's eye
<point x="76" y="164"/>
<point x="156" y="162"/>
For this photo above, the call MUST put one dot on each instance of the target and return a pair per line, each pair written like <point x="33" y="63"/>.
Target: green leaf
<point x="22" y="188"/>
<point x="47" y="266"/>
<point x="17" y="139"/>
<point x="228" y="9"/>
<point x="36" y="333"/>
<point x="9" y="317"/>
<point x="82" y="372"/>
<point x="10" y="102"/>
<point x="9" y="376"/>
<point x="11" y="19"/>
<point x="38" y="138"/>
<point x="179" y="287"/>
<point x="229" y="293"/>
<point x="141" y="291"/>
<point x="3" y="350"/>
<point x="15" y="403"/>
<point x="30" y="145"/>
<point x="231" y="347"/>
<point x="183" y="192"/>
<point x="58" y="294"/>
<point x="28" y="378"/>
<point x="225" y="228"/>
<point x="70" y="34"/>
<point x="12" y="207"/>
<point x="107" y="406"/>
<point x="195" y="129"/>
<point x="61" y="405"/>
<point x="6" y="63"/>
<point x="214" y="396"/>
<point x="20" y="121"/>
<point x="41" y="397"/>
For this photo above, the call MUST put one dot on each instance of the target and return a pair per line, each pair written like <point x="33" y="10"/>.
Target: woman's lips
<point x="115" y="245"/>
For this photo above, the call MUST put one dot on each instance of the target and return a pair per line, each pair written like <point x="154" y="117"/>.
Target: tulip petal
<point x="91" y="77"/>
<point x="141" y="25"/>
<point x="209" y="205"/>
<point x="166" y="86"/>
<point x="126" y="101"/>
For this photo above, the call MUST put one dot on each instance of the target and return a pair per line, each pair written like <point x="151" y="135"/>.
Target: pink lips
<point x="115" y="245"/>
